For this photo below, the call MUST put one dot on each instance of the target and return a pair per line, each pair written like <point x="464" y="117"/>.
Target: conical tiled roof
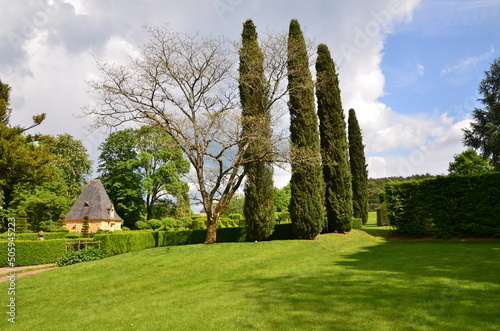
<point x="94" y="202"/>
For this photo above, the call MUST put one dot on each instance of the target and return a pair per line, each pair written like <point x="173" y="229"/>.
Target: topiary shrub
<point x="70" y="258"/>
<point x="187" y="222"/>
<point x="357" y="223"/>
<point x="22" y="222"/>
<point x="154" y="224"/>
<point x="170" y="223"/>
<point x="382" y="216"/>
<point x="85" y="226"/>
<point x="141" y="225"/>
<point x="124" y="228"/>
<point x="62" y="229"/>
<point x="235" y="217"/>
<point x="62" y="220"/>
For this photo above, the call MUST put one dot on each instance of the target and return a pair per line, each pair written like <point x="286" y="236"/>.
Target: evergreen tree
<point x="259" y="187"/>
<point x="359" y="172"/>
<point x="306" y="183"/>
<point x="334" y="149"/>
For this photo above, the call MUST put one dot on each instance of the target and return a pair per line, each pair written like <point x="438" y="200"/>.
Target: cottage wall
<point x="94" y="225"/>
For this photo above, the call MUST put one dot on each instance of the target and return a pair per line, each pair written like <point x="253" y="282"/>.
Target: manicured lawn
<point x="339" y="282"/>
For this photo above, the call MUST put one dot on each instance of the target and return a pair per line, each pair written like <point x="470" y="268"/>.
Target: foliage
<point x="235" y="206"/>
<point x="73" y="235"/>
<point x="470" y="163"/>
<point x="306" y="184"/>
<point x="144" y="162"/>
<point x="22" y="222"/>
<point x="63" y="229"/>
<point x="85" y="226"/>
<point x="282" y="198"/>
<point x="72" y="160"/>
<point x="44" y="204"/>
<point x="154" y="224"/>
<point x="256" y="132"/>
<point x="5" y="109"/>
<point x="382" y="216"/>
<point x="33" y="252"/>
<point x="357" y="223"/>
<point x="451" y="206"/>
<point x="484" y="133"/>
<point x="334" y="148"/>
<point x="141" y="225"/>
<point x="359" y="171"/>
<point x="91" y="254"/>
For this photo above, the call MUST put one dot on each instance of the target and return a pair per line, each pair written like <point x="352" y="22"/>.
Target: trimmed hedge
<point x="450" y="206"/>
<point x="382" y="216"/>
<point x="34" y="236"/>
<point x="33" y="252"/>
<point x="357" y="223"/>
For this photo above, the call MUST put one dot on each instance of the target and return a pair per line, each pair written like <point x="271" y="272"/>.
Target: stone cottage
<point x="94" y="202"/>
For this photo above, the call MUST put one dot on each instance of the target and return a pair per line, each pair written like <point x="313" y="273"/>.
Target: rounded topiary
<point x="154" y="224"/>
<point x="141" y="225"/>
<point x="73" y="235"/>
<point x="22" y="222"/>
<point x="62" y="229"/>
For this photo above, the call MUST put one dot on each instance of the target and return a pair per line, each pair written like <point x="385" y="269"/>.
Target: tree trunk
<point x="211" y="229"/>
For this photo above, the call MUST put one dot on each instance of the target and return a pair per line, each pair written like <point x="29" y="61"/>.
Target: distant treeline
<point x="375" y="185"/>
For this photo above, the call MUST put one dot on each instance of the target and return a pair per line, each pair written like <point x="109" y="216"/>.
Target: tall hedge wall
<point x="452" y="206"/>
<point x="33" y="252"/>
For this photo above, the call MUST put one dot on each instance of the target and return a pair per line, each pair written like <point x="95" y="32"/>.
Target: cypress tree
<point x="259" y="187"/>
<point x="306" y="183"/>
<point x="334" y="149"/>
<point x="359" y="172"/>
<point x="22" y="223"/>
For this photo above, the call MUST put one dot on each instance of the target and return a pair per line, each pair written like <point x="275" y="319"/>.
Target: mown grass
<point x="339" y="282"/>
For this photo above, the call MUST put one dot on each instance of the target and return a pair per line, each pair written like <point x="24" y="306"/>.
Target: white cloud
<point x="468" y="63"/>
<point x="420" y="69"/>
<point x="49" y="70"/>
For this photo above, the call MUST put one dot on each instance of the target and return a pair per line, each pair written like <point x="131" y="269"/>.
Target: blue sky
<point x="410" y="68"/>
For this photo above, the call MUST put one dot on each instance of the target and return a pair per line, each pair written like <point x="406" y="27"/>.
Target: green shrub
<point x="154" y="224"/>
<point x="73" y="235"/>
<point x="450" y="206"/>
<point x="235" y="217"/>
<point x="33" y="252"/>
<point x="382" y="216"/>
<point x="357" y="223"/>
<point x="141" y="225"/>
<point x="195" y="225"/>
<point x="34" y="236"/>
<point x="22" y="222"/>
<point x="63" y="229"/>
<point x="124" y="228"/>
<point x="85" y="226"/>
<point x="74" y="257"/>
<point x="283" y="217"/>
<point x="62" y="220"/>
<point x="187" y="222"/>
<point x="170" y="222"/>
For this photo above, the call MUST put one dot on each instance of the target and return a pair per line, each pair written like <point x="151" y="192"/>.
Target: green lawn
<point x="339" y="282"/>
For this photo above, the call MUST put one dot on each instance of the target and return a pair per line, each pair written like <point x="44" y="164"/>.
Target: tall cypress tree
<point x="306" y="183"/>
<point x="334" y="149"/>
<point x="358" y="168"/>
<point x="259" y="187"/>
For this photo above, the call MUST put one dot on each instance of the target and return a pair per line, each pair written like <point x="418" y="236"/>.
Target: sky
<point x="410" y="68"/>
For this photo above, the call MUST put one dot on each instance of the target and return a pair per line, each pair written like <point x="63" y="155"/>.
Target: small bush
<point x="187" y="222"/>
<point x="70" y="258"/>
<point x="141" y="225"/>
<point x="124" y="228"/>
<point x="62" y="229"/>
<point x="73" y="235"/>
<point x="357" y="223"/>
<point x="154" y="224"/>
<point x="170" y="223"/>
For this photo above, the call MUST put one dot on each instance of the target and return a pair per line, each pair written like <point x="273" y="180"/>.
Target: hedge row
<point x="129" y="241"/>
<point x="34" y="236"/>
<point x="32" y="252"/>
<point x="450" y="206"/>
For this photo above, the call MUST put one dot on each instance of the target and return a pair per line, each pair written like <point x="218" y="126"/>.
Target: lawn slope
<point x="339" y="282"/>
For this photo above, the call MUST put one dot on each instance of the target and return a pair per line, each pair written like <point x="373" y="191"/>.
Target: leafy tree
<point x="141" y="169"/>
<point x="117" y="163"/>
<point x="334" y="148"/>
<point x="469" y="162"/>
<point x="282" y="198"/>
<point x="22" y="159"/>
<point x="43" y="203"/>
<point x="306" y="204"/>
<point x="72" y="160"/>
<point x="484" y="133"/>
<point x="235" y="206"/>
<point x="259" y="185"/>
<point x="359" y="171"/>
<point x="5" y="109"/>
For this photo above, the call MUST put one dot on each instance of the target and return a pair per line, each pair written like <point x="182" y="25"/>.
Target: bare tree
<point x="187" y="85"/>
